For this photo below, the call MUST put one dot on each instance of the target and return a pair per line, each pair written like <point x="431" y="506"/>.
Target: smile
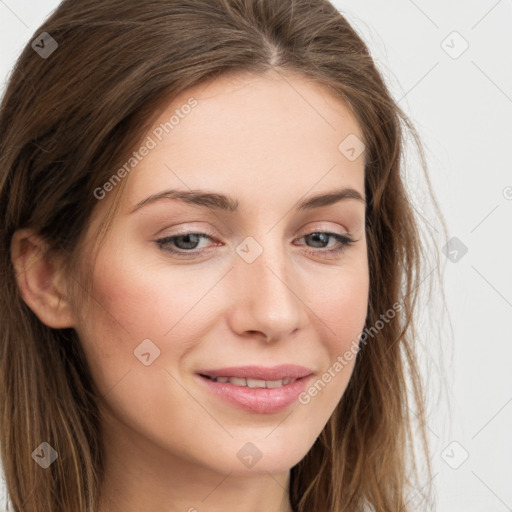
<point x="252" y="383"/>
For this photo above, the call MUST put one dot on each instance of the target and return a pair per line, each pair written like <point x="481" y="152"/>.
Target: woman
<point x="210" y="264"/>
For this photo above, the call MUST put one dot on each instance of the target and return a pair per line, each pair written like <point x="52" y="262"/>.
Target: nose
<point x="266" y="297"/>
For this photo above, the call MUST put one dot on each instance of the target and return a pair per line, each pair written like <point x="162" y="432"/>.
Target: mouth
<point x="257" y="389"/>
<point x="252" y="383"/>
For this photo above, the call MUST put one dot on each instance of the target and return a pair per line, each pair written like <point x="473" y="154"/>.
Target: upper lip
<point x="279" y="372"/>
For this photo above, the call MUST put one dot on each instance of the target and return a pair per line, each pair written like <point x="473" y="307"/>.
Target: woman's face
<point x="256" y="287"/>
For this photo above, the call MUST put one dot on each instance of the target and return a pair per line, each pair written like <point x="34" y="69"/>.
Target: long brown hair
<point x="69" y="120"/>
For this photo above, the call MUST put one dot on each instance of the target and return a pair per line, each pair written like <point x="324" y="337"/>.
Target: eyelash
<point x="344" y="241"/>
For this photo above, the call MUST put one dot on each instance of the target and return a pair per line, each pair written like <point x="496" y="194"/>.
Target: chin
<point x="265" y="453"/>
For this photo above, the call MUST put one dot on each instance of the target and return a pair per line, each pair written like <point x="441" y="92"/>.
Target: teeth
<point x="254" y="383"/>
<point x="274" y="383"/>
<point x="237" y="382"/>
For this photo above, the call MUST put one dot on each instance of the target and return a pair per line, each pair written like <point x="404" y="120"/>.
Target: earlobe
<point x="39" y="280"/>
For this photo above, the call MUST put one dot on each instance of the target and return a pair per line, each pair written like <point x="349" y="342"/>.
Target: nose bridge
<point x="266" y="299"/>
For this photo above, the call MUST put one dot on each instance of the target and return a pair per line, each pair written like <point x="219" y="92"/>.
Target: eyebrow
<point x="223" y="202"/>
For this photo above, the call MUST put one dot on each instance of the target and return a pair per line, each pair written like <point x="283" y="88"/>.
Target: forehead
<point x="275" y="133"/>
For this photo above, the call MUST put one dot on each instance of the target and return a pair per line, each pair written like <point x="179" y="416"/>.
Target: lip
<point x="258" y="400"/>
<point x="281" y="371"/>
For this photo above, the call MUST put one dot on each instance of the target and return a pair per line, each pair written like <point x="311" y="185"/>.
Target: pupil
<point x="318" y="235"/>
<point x="187" y="242"/>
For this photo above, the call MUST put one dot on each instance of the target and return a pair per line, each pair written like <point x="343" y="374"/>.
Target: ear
<point x="40" y="284"/>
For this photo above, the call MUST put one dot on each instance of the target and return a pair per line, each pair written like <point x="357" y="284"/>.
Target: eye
<point x="185" y="244"/>
<point x="320" y="238"/>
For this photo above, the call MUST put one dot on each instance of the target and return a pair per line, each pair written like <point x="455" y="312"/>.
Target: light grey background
<point x="461" y="103"/>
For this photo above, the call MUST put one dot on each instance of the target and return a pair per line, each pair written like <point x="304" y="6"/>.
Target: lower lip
<point x="260" y="400"/>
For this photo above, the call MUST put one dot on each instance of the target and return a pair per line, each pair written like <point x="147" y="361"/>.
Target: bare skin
<point x="170" y="444"/>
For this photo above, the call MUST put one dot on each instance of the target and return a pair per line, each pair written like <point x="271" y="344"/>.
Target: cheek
<point x="142" y="306"/>
<point x="145" y="299"/>
<point x="134" y="313"/>
<point x="128" y="305"/>
<point x="340" y="303"/>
